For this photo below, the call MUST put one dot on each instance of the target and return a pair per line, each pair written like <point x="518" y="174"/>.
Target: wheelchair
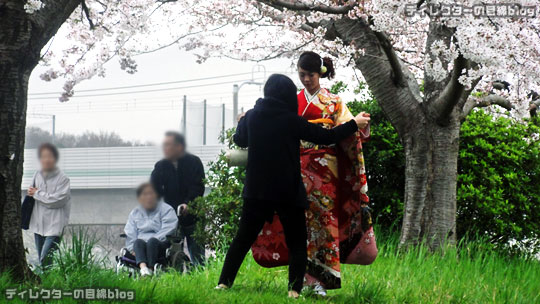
<point x="175" y="257"/>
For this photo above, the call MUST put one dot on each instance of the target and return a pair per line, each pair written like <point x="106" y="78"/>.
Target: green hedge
<point x="499" y="178"/>
<point x="498" y="192"/>
<point x="219" y="211"/>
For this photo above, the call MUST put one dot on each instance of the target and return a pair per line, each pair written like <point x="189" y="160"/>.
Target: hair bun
<point x="327" y="68"/>
<point x="314" y="63"/>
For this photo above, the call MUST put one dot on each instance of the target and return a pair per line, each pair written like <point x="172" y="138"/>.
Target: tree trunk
<point x="13" y="89"/>
<point x="431" y="154"/>
<point x="431" y="144"/>
<point x="17" y="59"/>
<point x="22" y="36"/>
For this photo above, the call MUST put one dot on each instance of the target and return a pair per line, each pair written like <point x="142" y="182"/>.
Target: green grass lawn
<point x="474" y="274"/>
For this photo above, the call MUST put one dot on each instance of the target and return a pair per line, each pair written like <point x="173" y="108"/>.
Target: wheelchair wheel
<point x="158" y="269"/>
<point x="118" y="267"/>
<point x="123" y="269"/>
<point x="179" y="261"/>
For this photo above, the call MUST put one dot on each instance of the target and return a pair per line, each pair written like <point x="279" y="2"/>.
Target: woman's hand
<point x="32" y="191"/>
<point x="183" y="209"/>
<point x="362" y="120"/>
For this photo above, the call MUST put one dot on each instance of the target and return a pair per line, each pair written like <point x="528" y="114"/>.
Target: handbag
<point x="26" y="210"/>
<point x="237" y="157"/>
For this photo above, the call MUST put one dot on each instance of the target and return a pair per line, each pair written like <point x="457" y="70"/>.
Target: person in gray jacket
<point x="147" y="228"/>
<point x="51" y="192"/>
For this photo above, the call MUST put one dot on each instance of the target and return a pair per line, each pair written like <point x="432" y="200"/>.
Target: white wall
<point x="111" y="167"/>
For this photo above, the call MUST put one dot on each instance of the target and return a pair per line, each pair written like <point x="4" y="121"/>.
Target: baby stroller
<point x="175" y="257"/>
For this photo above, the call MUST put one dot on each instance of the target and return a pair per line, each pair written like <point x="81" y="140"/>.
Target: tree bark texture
<point x="431" y="144"/>
<point x="22" y="36"/>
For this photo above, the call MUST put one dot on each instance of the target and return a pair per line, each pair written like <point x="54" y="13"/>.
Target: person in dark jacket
<point x="179" y="179"/>
<point x="272" y="131"/>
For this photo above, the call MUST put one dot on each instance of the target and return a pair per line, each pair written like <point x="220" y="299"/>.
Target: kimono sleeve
<point x="344" y="114"/>
<point x="352" y="160"/>
<point x="317" y="134"/>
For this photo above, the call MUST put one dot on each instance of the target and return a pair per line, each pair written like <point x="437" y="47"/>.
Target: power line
<point x="168" y="102"/>
<point x="253" y="91"/>
<point x="146" y="91"/>
<point x="146" y="85"/>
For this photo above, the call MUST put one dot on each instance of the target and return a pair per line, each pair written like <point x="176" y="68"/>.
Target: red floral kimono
<point x="338" y="222"/>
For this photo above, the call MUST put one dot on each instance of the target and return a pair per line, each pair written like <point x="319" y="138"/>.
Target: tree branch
<point x="467" y="92"/>
<point x="379" y="64"/>
<point x="175" y="41"/>
<point x="87" y="14"/>
<point x="486" y="102"/>
<point x="381" y="67"/>
<point x="49" y="18"/>
<point x="443" y="106"/>
<point x="303" y="6"/>
<point x="393" y="59"/>
<point x="437" y="33"/>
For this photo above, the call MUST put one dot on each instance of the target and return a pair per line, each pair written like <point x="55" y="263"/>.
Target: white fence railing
<point x="111" y="167"/>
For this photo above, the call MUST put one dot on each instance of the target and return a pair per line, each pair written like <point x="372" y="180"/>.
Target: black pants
<point x="150" y="252"/>
<point x="254" y="215"/>
<point x="195" y="250"/>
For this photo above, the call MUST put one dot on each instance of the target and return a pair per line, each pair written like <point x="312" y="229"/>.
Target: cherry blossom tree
<point x="428" y="63"/>
<point x="98" y="31"/>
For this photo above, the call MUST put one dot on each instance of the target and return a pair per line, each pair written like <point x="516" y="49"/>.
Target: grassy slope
<point x="475" y="276"/>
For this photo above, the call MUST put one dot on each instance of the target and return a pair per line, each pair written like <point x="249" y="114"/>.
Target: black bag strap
<point x="34" y="179"/>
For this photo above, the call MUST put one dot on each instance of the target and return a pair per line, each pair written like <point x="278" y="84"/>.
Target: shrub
<point x="77" y="254"/>
<point x="219" y="211"/>
<point x="499" y="178"/>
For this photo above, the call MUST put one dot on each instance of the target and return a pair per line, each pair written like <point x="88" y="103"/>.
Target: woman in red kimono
<point x="338" y="220"/>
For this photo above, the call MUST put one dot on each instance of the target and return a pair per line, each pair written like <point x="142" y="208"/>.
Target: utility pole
<point x="184" y="124"/>
<point x="53" y="128"/>
<point x="236" y="88"/>
<point x="223" y="118"/>
<point x="204" y="123"/>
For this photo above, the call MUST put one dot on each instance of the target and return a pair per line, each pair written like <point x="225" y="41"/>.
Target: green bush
<point x="499" y="178"/>
<point x="219" y="211"/>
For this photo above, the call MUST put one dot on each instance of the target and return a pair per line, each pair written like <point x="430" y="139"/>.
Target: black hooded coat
<point x="272" y="131"/>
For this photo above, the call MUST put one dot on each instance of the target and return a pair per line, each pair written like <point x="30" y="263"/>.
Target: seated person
<point x="147" y="228"/>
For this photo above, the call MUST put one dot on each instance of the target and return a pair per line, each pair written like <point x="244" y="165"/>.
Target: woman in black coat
<point x="272" y="131"/>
